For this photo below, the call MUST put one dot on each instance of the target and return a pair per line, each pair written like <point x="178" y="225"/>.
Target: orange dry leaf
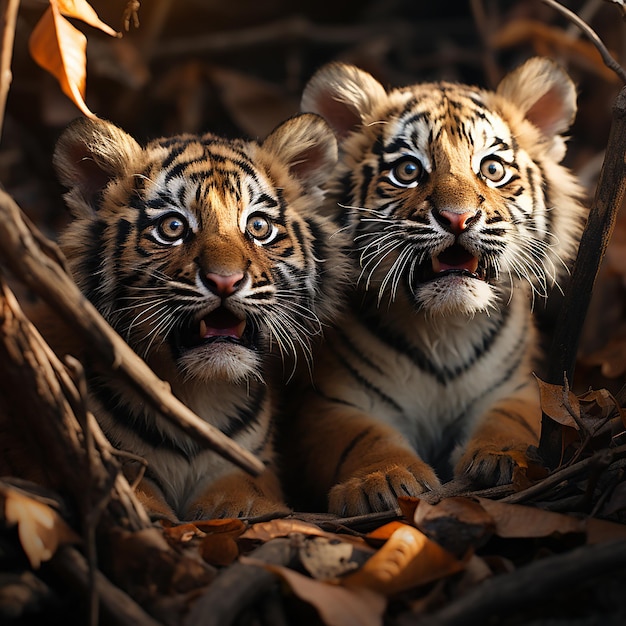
<point x="60" y="48"/>
<point x="82" y="10"/>
<point x="40" y="528"/>
<point x="407" y="560"/>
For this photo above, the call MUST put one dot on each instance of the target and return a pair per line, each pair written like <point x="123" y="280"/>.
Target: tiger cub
<point x="209" y="257"/>
<point x="460" y="216"/>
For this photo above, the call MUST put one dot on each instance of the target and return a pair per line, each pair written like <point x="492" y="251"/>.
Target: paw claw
<point x="379" y="489"/>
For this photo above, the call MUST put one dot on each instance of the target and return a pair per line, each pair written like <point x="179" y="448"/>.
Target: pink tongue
<point x="221" y="323"/>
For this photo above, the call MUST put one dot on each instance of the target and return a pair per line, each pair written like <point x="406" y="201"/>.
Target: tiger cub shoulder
<point x="210" y="258"/>
<point x="461" y="215"/>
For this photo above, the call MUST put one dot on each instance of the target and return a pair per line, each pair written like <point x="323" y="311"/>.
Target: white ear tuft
<point x="307" y="145"/>
<point x="342" y="95"/>
<point x="544" y="93"/>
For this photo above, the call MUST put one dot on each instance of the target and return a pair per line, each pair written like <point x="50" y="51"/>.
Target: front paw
<point x="488" y="465"/>
<point x="219" y="503"/>
<point x="378" y="490"/>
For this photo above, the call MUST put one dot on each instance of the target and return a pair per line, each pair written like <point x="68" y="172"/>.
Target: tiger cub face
<point x="204" y="254"/>
<point x="453" y="195"/>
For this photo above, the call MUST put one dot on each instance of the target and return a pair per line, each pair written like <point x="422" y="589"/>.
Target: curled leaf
<point x="82" y="10"/>
<point x="60" y="48"/>
<point x="407" y="560"/>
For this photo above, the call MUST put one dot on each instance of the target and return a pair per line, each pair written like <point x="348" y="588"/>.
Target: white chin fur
<point x="219" y="361"/>
<point x="455" y="295"/>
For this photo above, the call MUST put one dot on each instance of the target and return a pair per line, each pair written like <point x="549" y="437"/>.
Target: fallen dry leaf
<point x="519" y="521"/>
<point x="408" y="559"/>
<point x="336" y="605"/>
<point x="458" y="524"/>
<point x="40" y="528"/>
<point x="599" y="530"/>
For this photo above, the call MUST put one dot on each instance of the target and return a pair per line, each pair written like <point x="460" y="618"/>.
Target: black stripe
<point x="353" y="348"/>
<point x="515" y="417"/>
<point x="364" y="382"/>
<point x="91" y="261"/>
<point x="343" y="457"/>
<point x="144" y="428"/>
<point x="443" y="374"/>
<point x="367" y="174"/>
<point x="247" y="415"/>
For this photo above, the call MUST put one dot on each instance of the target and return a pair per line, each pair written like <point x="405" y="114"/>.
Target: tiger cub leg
<point x="153" y="500"/>
<point x="239" y="494"/>
<point x="501" y="440"/>
<point x="361" y="463"/>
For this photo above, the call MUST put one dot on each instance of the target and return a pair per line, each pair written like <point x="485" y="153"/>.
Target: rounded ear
<point x="307" y="145"/>
<point x="342" y="94"/>
<point x="544" y="93"/>
<point x="91" y="152"/>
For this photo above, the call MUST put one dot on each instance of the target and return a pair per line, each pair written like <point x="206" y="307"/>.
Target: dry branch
<point x="8" y="18"/>
<point x="45" y="276"/>
<point x="45" y="416"/>
<point x="607" y="202"/>
<point x="539" y="581"/>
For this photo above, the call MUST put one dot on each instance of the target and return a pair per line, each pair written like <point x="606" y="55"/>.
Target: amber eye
<point x="172" y="227"/>
<point x="405" y="172"/>
<point x="493" y="169"/>
<point x="260" y="227"/>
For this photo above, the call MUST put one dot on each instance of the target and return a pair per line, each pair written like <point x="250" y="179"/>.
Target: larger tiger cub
<point x="460" y="216"/>
<point x="211" y="260"/>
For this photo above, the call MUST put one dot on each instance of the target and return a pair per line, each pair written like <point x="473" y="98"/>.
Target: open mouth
<point x="456" y="260"/>
<point x="219" y="325"/>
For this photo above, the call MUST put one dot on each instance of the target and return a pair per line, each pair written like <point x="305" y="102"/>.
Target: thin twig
<point x="7" y="30"/>
<point x="609" y="61"/>
<point x="565" y="474"/>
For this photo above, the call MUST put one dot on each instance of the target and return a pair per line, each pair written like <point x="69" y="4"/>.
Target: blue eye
<point x="172" y="227"/>
<point x="406" y="171"/>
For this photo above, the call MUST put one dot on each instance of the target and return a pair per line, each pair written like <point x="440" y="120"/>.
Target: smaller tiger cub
<point x="460" y="217"/>
<point x="209" y="257"/>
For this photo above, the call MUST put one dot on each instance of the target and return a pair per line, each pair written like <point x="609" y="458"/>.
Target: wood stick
<point x="8" y="18"/>
<point x="239" y="586"/>
<point x="507" y="594"/>
<point x="21" y="254"/>
<point x="119" y="608"/>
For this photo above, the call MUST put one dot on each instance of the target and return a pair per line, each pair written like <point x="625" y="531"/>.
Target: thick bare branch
<point x="20" y="252"/>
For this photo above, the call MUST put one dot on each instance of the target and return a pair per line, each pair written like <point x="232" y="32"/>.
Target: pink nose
<point x="224" y="286"/>
<point x="456" y="223"/>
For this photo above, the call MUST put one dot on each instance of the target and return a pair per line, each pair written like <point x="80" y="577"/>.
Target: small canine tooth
<point x="203" y="329"/>
<point x="436" y="265"/>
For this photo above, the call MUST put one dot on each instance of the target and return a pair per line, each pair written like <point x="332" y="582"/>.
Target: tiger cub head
<point x="453" y="195"/>
<point x="203" y="253"/>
